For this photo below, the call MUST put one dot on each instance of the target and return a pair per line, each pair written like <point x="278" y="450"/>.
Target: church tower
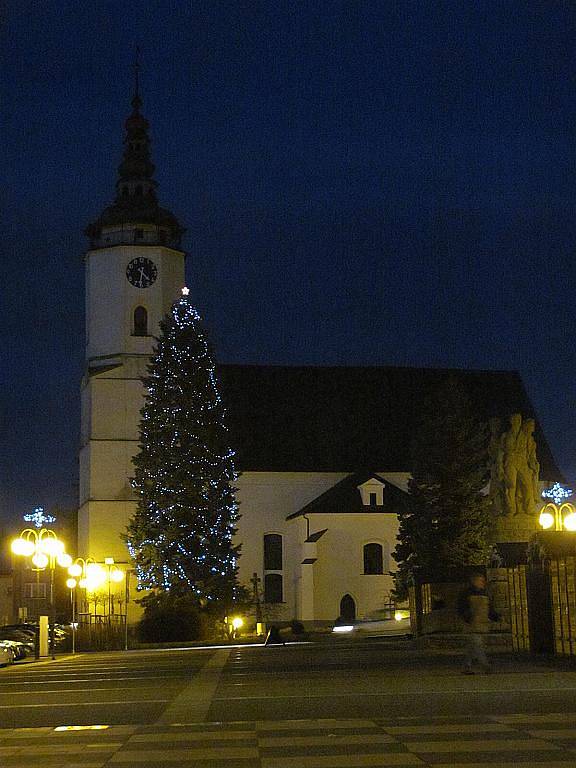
<point x="134" y="271"/>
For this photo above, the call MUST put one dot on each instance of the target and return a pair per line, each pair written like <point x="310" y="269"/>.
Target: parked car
<point x="6" y="654"/>
<point x="25" y="640"/>
<point x="19" y="650"/>
<point x="386" y="622"/>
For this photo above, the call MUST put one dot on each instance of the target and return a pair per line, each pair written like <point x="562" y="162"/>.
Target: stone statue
<point x="515" y="467"/>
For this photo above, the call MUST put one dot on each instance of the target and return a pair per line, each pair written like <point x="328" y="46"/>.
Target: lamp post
<point x="72" y="584"/>
<point x="98" y="579"/>
<point x="45" y="550"/>
<point x="114" y="576"/>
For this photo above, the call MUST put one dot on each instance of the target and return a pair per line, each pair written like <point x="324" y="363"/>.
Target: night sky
<point x="386" y="182"/>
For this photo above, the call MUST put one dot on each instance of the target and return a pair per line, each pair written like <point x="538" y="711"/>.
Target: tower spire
<point x="136" y="207"/>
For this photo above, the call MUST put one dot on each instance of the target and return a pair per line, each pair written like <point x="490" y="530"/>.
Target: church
<point x="323" y="452"/>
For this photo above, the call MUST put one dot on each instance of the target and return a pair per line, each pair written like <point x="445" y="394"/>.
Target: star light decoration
<point x="185" y="291"/>
<point x="39" y="518"/>
<point x="557" y="493"/>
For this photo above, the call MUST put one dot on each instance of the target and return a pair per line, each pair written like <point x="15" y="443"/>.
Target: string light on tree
<point x="39" y="518"/>
<point x="557" y="493"/>
<point x="181" y="534"/>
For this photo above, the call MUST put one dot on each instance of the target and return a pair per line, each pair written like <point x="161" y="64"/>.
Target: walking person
<point x="476" y="611"/>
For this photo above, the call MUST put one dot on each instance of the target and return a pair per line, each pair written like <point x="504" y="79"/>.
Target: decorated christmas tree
<point x="446" y="523"/>
<point x="181" y="534"/>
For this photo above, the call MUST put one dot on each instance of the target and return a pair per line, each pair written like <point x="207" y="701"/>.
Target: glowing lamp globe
<point x="64" y="560"/>
<point x="546" y="520"/>
<point x="570" y="522"/>
<point x="23" y="547"/>
<point x="95" y="575"/>
<point x="40" y="560"/>
<point x="75" y="570"/>
<point x="71" y="583"/>
<point x="237" y="622"/>
<point x="117" y="575"/>
<point x="51" y="546"/>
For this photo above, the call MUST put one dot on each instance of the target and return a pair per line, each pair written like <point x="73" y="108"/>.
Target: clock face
<point x="141" y="272"/>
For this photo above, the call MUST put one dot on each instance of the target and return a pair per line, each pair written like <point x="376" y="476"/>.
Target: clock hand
<point x="141" y="276"/>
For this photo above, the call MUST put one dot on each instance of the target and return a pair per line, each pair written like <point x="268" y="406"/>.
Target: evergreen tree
<point x="181" y="534"/>
<point x="446" y="522"/>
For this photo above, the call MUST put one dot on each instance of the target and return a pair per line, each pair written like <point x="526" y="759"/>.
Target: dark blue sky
<point x="362" y="182"/>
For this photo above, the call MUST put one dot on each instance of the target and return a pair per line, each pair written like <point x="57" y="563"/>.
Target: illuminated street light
<point x="64" y="560"/>
<point x="546" y="519"/>
<point x="558" y="517"/>
<point x="117" y="575"/>
<point x="46" y="550"/>
<point x="570" y="521"/>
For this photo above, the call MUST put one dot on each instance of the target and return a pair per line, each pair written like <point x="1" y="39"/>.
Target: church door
<point x="348" y="608"/>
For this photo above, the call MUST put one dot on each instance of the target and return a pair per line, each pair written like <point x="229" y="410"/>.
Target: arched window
<point x="272" y="552"/>
<point x="373" y="559"/>
<point x="348" y="608"/>
<point x="139" y="191"/>
<point x="140" y="321"/>
<point x="273" y="588"/>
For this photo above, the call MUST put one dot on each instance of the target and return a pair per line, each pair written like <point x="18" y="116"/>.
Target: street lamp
<point x="71" y="583"/>
<point x="114" y="576"/>
<point x="558" y="517"/>
<point x="46" y="550"/>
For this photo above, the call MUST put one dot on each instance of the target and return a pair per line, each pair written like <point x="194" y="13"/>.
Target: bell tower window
<point x="140" y="321"/>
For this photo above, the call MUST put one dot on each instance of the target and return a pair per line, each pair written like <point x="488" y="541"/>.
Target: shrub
<point x="171" y="620"/>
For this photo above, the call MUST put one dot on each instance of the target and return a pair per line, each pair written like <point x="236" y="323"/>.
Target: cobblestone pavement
<point x="508" y="740"/>
<point x="309" y="706"/>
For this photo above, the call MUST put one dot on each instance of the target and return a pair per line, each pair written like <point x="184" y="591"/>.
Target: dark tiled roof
<point x="347" y="419"/>
<point x="345" y="497"/>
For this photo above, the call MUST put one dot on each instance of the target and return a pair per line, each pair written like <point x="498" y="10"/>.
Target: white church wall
<point x="100" y="526"/>
<point x="110" y="468"/>
<point x="111" y="298"/>
<point x="266" y="499"/>
<point x="339" y="569"/>
<point x="115" y="407"/>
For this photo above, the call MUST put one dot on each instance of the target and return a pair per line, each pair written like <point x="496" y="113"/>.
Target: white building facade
<point x="323" y="452"/>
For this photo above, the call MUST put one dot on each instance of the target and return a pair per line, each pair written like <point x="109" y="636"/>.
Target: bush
<point x="171" y="620"/>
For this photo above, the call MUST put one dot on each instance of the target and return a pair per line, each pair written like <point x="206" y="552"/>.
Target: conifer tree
<point x="181" y="534"/>
<point x="446" y="522"/>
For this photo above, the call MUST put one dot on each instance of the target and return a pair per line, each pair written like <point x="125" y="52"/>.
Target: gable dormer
<point x="372" y="492"/>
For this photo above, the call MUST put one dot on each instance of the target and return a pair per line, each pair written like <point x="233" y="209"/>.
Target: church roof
<point x="348" y="419"/>
<point x="345" y="497"/>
